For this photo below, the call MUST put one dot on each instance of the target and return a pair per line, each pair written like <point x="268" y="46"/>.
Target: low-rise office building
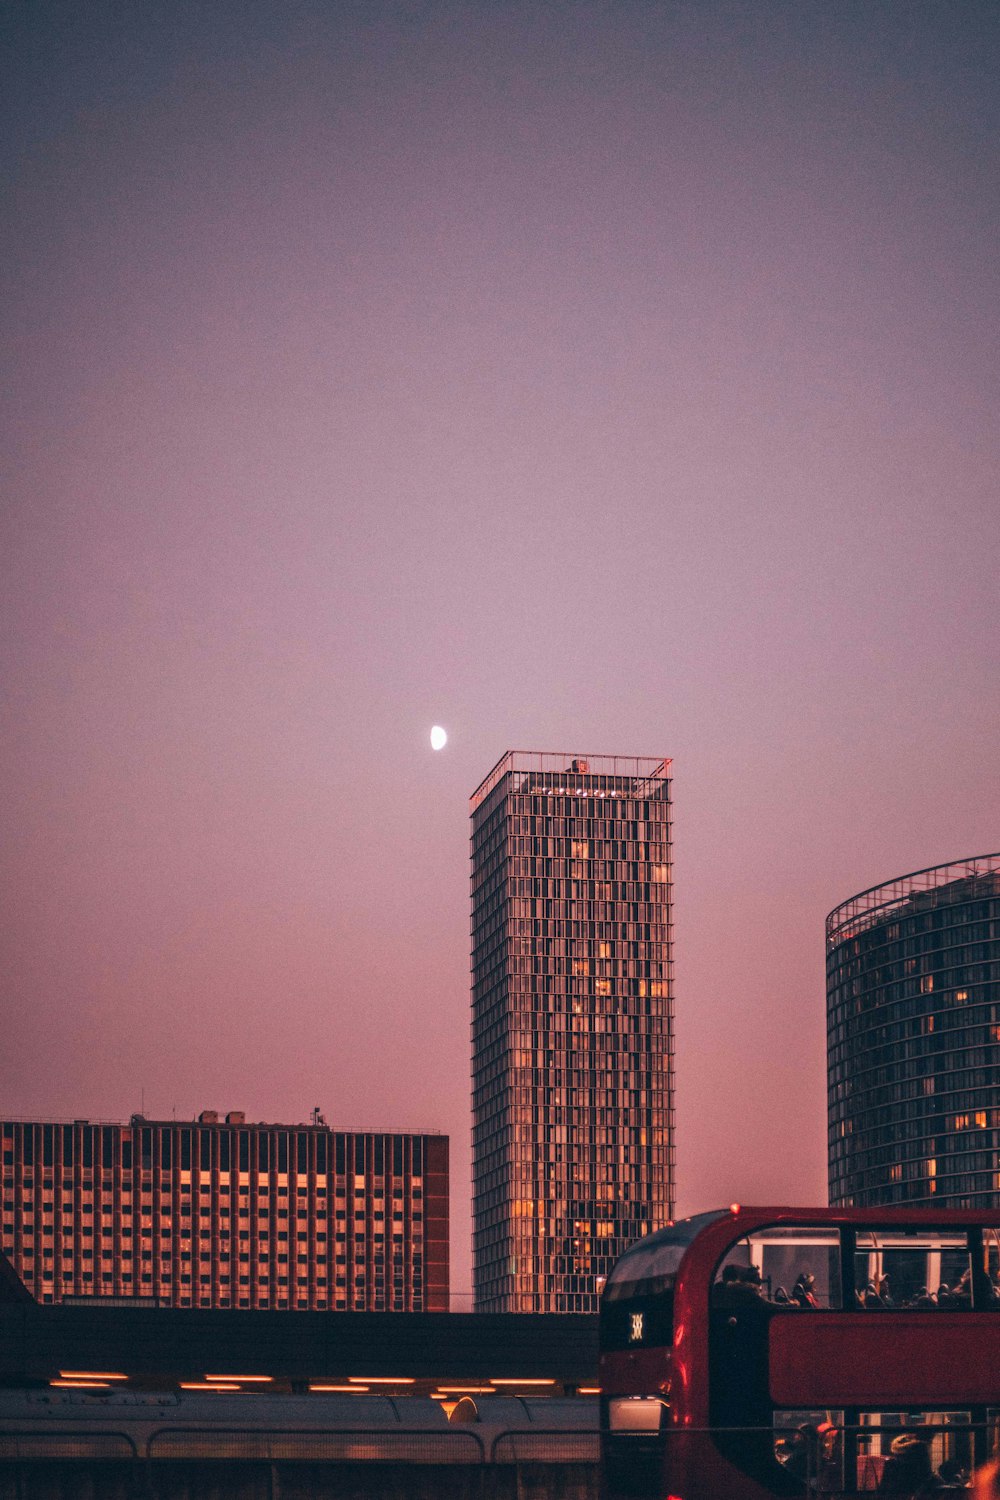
<point x="221" y="1212"/>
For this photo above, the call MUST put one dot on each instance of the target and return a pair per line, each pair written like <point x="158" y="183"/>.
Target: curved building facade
<point x="913" y="1039"/>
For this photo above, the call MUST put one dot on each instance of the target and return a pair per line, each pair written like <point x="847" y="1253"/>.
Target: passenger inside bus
<point x="738" y="1286"/>
<point x="812" y="1453"/>
<point x="908" y="1468"/>
<point x="878" y="1294"/>
<point x="875" y="1295"/>
<point x="803" y="1292"/>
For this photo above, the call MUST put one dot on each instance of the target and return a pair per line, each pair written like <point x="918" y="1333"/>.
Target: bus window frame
<point x="834" y="1230"/>
<point x="982" y="1298"/>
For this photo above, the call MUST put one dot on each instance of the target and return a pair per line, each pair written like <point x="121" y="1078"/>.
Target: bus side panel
<point x="931" y="1359"/>
<point x="695" y="1469"/>
<point x="684" y="1465"/>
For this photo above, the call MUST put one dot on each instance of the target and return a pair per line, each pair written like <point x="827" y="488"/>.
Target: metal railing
<point x="22" y="1446"/>
<point x="462" y="1444"/>
<point x="838" y="1461"/>
<point x="835" y="1460"/>
<point x="876" y="903"/>
<point x="574" y="769"/>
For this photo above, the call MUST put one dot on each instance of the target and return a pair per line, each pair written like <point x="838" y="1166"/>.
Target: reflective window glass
<point x="784" y="1266"/>
<point x="907" y="1452"/>
<point x="912" y="1270"/>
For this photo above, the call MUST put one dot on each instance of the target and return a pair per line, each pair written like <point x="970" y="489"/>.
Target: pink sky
<point x="608" y="378"/>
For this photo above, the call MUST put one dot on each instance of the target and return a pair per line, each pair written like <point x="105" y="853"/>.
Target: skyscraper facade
<point x="572" y="1071"/>
<point x="222" y="1213"/>
<point x="913" y="1029"/>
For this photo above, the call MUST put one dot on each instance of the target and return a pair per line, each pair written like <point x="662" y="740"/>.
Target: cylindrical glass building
<point x="913" y="1039"/>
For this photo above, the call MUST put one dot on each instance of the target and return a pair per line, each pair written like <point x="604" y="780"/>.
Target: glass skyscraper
<point x="572" y="1036"/>
<point x="913" y="1020"/>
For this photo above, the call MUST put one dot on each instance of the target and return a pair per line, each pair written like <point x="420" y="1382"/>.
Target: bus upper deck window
<point x="912" y="1270"/>
<point x="784" y="1267"/>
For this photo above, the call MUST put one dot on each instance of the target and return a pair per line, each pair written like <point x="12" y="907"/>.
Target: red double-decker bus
<point x="753" y="1352"/>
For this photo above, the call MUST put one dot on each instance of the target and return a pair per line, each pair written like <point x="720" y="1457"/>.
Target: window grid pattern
<point x="226" y="1214"/>
<point x="913" y="1041"/>
<point x="571" y="1025"/>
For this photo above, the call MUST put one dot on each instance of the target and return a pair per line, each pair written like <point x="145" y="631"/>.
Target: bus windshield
<point x="650" y="1267"/>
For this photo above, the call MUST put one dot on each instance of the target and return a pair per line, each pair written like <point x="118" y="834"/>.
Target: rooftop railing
<point x="940" y="885"/>
<point x="574" y="771"/>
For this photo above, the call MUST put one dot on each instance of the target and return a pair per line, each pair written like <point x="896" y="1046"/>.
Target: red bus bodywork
<point x="852" y="1360"/>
